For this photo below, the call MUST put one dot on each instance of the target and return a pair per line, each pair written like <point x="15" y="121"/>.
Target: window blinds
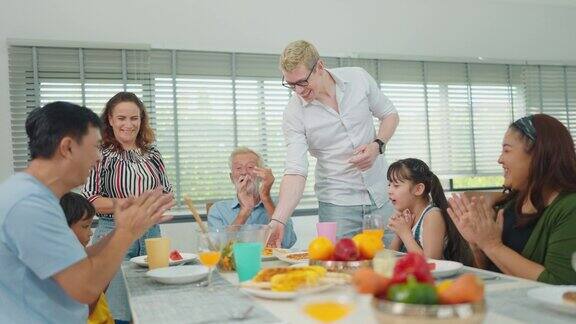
<point x="204" y="104"/>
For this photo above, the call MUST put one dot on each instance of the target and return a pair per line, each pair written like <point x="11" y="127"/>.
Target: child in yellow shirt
<point x="79" y="215"/>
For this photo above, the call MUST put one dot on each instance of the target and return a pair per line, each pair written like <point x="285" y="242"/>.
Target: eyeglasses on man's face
<point x="302" y="83"/>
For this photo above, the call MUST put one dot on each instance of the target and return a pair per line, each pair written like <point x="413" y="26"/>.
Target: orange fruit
<point x="359" y="238"/>
<point x="367" y="281"/>
<point x="320" y="248"/>
<point x="467" y="288"/>
<point x="368" y="245"/>
<point x="443" y="285"/>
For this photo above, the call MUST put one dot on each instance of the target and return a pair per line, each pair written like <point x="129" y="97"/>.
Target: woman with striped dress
<point x="129" y="166"/>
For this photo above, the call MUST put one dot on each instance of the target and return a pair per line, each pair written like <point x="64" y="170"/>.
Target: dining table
<point x="152" y="302"/>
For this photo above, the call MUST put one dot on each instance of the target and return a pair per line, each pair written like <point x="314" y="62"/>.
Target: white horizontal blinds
<point x="164" y="99"/>
<point x="204" y="104"/>
<point x="205" y="113"/>
<point x="331" y="62"/>
<point x="103" y="77"/>
<point x="59" y="75"/>
<point x="553" y="92"/>
<point x="532" y="89"/>
<point x="260" y="103"/>
<point x="83" y="76"/>
<point x="109" y="71"/>
<point x="138" y="78"/>
<point x="548" y="90"/>
<point x="571" y="98"/>
<point x="449" y="115"/>
<point x="23" y="98"/>
<point x="491" y="99"/>
<point x="371" y="66"/>
<point x="403" y="83"/>
<point x="518" y="90"/>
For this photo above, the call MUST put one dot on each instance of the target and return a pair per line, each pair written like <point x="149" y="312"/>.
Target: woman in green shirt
<point x="534" y="235"/>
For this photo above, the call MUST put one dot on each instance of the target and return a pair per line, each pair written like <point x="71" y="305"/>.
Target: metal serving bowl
<point x="342" y="266"/>
<point x="401" y="313"/>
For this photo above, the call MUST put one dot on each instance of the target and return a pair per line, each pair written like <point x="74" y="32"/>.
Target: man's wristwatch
<point x="381" y="145"/>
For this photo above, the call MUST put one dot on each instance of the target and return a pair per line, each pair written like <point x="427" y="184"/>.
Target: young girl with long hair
<point x="421" y="222"/>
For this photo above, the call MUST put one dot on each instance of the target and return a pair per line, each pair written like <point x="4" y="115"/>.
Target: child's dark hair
<point x="76" y="208"/>
<point x="417" y="171"/>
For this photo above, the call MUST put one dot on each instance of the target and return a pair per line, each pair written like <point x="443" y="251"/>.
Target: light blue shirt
<point x="35" y="244"/>
<point x="224" y="212"/>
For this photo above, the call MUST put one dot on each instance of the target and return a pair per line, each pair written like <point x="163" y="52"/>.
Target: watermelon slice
<point x="175" y="256"/>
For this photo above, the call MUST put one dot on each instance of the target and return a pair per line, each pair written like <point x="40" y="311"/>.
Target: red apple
<point x="346" y="250"/>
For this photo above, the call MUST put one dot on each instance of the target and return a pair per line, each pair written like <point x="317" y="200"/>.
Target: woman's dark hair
<point x="417" y="171"/>
<point x="47" y="126"/>
<point x="145" y="135"/>
<point x="76" y="208"/>
<point x="553" y="165"/>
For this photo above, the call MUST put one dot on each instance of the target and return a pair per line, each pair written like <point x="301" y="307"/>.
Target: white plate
<point x="285" y="257"/>
<point x="269" y="294"/>
<point x="186" y="257"/>
<point x="552" y="297"/>
<point x="179" y="275"/>
<point x="445" y="268"/>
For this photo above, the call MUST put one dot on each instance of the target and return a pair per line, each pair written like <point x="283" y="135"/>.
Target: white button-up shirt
<point x="331" y="137"/>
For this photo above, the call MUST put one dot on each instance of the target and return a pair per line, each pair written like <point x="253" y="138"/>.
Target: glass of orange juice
<point x="210" y="246"/>
<point x="328" y="307"/>
<point x="374" y="224"/>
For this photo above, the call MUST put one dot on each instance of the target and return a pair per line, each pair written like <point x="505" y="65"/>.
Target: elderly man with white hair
<point x="253" y="203"/>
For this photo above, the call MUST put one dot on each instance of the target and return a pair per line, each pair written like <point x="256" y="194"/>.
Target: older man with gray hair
<point x="253" y="203"/>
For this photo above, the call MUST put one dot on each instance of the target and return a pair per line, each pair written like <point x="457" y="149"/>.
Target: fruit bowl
<point x="342" y="266"/>
<point x="387" y="311"/>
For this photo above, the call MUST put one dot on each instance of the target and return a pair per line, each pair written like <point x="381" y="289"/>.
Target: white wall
<point x="499" y="30"/>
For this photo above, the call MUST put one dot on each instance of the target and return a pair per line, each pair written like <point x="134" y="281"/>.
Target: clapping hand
<point x="476" y="220"/>
<point x="267" y="178"/>
<point x="136" y="215"/>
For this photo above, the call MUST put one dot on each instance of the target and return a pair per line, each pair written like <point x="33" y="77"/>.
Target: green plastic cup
<point x="247" y="257"/>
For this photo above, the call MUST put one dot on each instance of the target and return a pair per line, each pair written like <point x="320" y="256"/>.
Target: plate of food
<point x="176" y="258"/>
<point x="444" y="268"/>
<point x="292" y="257"/>
<point x="288" y="282"/>
<point x="560" y="298"/>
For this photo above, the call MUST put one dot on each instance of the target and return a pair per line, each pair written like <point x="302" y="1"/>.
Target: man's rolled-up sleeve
<point x="380" y="105"/>
<point x="295" y="140"/>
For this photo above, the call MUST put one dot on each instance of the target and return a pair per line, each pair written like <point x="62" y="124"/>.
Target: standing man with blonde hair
<point x="331" y="116"/>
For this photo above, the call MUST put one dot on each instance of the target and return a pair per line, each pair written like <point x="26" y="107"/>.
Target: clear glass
<point x="210" y="245"/>
<point x="574" y="260"/>
<point x="373" y="224"/>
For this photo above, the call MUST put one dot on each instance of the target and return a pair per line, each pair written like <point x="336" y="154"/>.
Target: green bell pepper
<point x="413" y="292"/>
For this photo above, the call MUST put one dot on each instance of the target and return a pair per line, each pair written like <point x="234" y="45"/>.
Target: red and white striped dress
<point x="123" y="174"/>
